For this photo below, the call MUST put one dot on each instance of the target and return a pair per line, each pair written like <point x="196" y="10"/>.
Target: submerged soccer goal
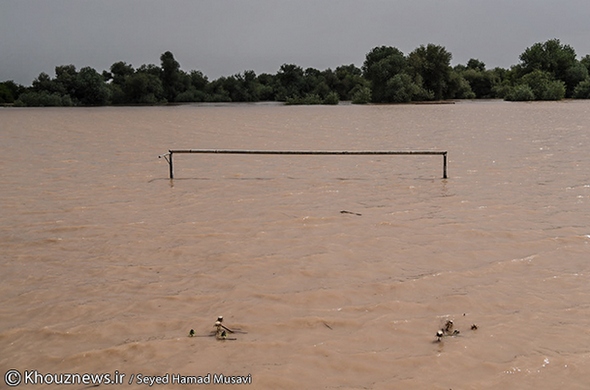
<point x="169" y="156"/>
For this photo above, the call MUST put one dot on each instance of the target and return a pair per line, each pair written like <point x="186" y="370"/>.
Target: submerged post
<point x="171" y="165"/>
<point x="168" y="156"/>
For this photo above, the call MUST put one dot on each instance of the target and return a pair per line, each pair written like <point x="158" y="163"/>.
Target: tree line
<point x="547" y="71"/>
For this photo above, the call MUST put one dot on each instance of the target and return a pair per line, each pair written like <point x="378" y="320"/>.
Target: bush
<point x="43" y="99"/>
<point x="520" y="93"/>
<point x="481" y="82"/>
<point x="543" y="85"/>
<point x="582" y="90"/>
<point x="313" y="98"/>
<point x="554" y="90"/>
<point x="117" y="94"/>
<point x="401" y="89"/>
<point x="305" y="100"/>
<point x="574" y="76"/>
<point x="332" y="98"/>
<point x="459" y="87"/>
<point x="501" y="91"/>
<point x="361" y="95"/>
<point x="66" y="101"/>
<point x="191" y="95"/>
<point x="538" y="84"/>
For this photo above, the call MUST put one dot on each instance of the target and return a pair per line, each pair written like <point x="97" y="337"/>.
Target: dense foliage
<point x="547" y="71"/>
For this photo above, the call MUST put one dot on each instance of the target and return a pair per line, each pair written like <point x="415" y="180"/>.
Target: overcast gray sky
<point x="225" y="37"/>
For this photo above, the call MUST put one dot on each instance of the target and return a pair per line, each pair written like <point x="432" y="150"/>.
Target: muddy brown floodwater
<point x="106" y="264"/>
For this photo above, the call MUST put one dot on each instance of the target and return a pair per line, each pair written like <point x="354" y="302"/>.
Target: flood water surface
<point x="338" y="269"/>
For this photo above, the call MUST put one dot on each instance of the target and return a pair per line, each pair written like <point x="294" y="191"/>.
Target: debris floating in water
<point x="221" y="332"/>
<point x="235" y="330"/>
<point x="350" y="212"/>
<point x="447" y="330"/>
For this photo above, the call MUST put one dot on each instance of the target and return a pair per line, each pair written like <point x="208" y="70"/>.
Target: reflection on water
<point x="107" y="264"/>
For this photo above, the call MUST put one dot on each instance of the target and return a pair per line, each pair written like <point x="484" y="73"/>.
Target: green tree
<point x="475" y="64"/>
<point x="330" y="80"/>
<point x="171" y="76"/>
<point x="6" y="95"/>
<point x="267" y="84"/>
<point x="346" y="79"/>
<point x="250" y="85"/>
<point x="315" y="82"/>
<point x="10" y="91"/>
<point x="117" y="94"/>
<point x="195" y="91"/>
<point x="120" y="71"/>
<point x="459" y="87"/>
<point x="574" y="75"/>
<point x="290" y="82"/>
<point x="198" y="80"/>
<point x="66" y="79"/>
<point x="150" y="69"/>
<point x="143" y="88"/>
<point x="91" y="88"/>
<point x="216" y="91"/>
<point x="555" y="58"/>
<point x="44" y="92"/>
<point x="382" y="64"/>
<point x="44" y="83"/>
<point x="242" y="87"/>
<point x="551" y="56"/>
<point x="482" y="82"/>
<point x="432" y="63"/>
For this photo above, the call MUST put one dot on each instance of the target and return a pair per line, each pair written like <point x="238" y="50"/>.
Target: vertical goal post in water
<point x="169" y="156"/>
